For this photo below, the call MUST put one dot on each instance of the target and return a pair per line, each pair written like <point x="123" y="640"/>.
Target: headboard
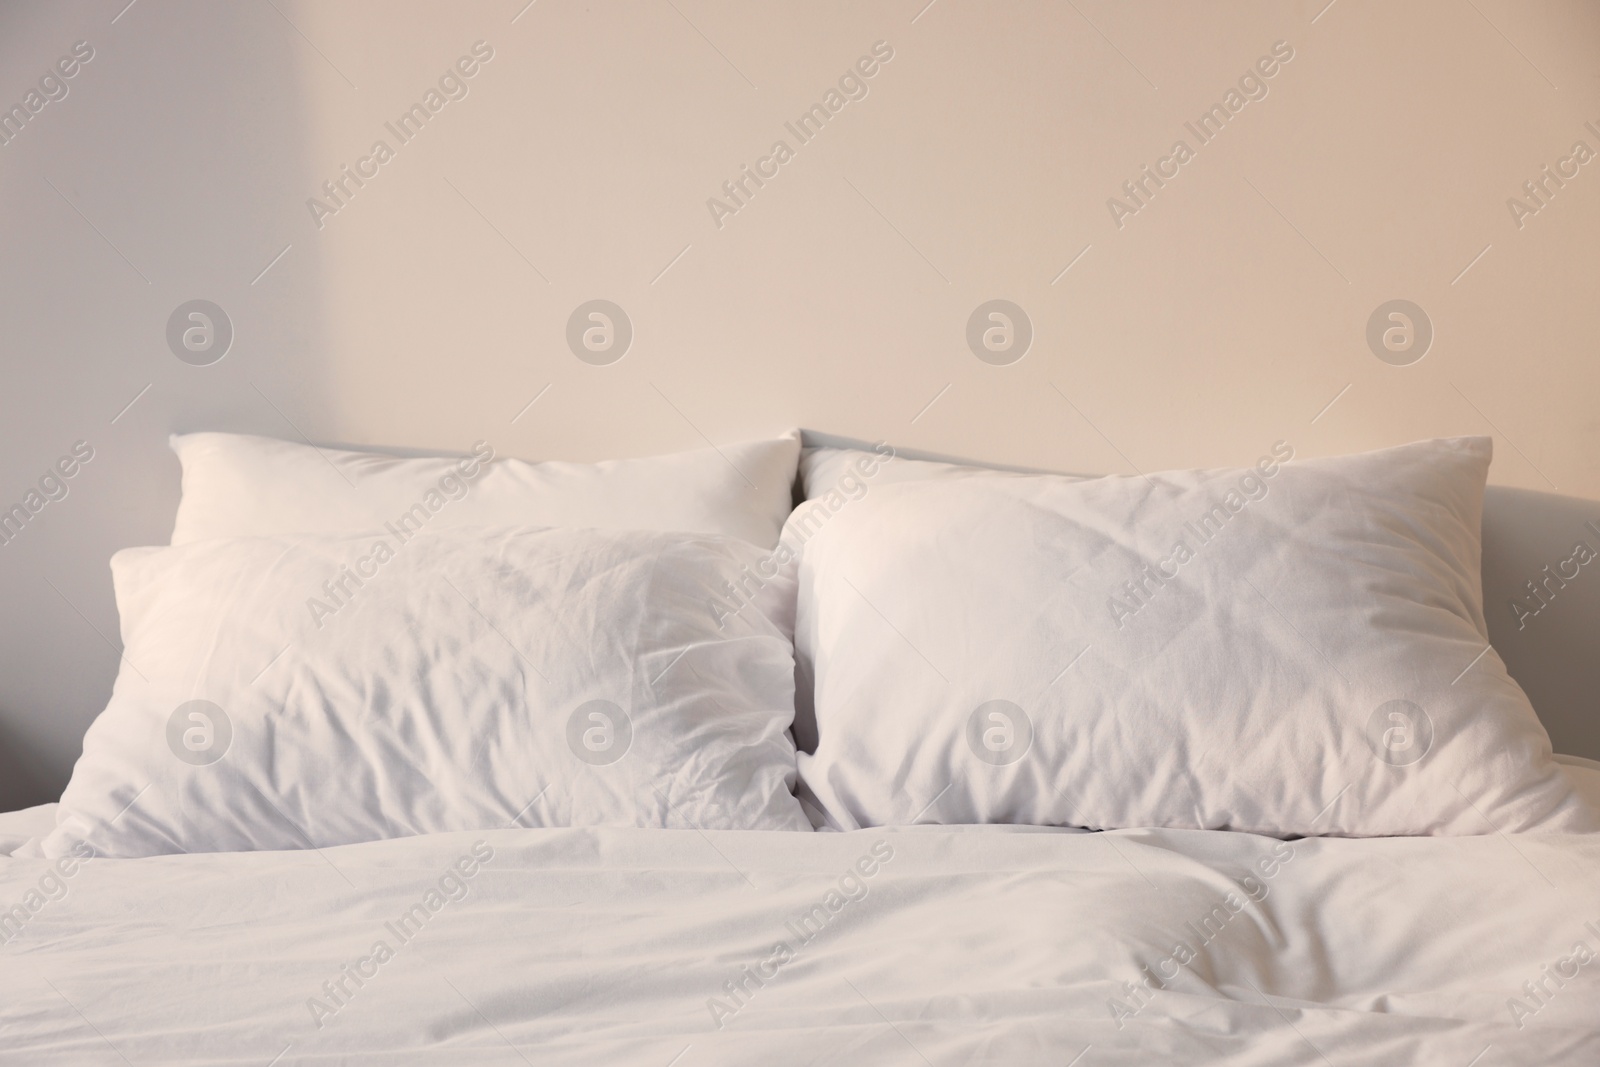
<point x="1548" y="637"/>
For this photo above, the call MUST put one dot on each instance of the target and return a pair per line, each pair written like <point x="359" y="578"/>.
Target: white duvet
<point x="676" y="948"/>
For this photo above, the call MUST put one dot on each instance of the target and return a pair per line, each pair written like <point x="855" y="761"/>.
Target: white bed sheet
<point x="608" y="946"/>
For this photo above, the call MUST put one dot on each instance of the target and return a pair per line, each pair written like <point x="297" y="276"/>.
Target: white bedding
<point x="1294" y="647"/>
<point x="283" y="692"/>
<point x="607" y="946"/>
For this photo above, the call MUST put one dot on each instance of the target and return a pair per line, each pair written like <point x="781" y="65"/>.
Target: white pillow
<point x="825" y="468"/>
<point x="287" y="693"/>
<point x="1312" y="660"/>
<point x="240" y="486"/>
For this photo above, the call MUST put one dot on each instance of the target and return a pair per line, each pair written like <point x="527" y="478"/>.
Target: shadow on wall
<point x="166" y="168"/>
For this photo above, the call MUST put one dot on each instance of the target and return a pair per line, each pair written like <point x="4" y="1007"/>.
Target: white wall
<point x="1225" y="314"/>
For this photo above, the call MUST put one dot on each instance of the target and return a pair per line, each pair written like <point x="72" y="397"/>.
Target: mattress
<point x="930" y="945"/>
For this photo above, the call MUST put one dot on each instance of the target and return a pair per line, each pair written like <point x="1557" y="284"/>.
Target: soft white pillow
<point x="824" y="468"/>
<point x="236" y="485"/>
<point x="373" y="688"/>
<point x="1313" y="661"/>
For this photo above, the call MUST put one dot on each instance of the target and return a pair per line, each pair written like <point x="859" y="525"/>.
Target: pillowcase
<point x="236" y="485"/>
<point x="1283" y="649"/>
<point x="291" y="693"/>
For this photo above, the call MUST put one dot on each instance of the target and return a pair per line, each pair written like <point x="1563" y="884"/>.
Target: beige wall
<point x="1220" y="317"/>
<point x="1224" y="314"/>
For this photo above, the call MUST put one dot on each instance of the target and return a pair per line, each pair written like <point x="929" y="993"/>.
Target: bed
<point x="964" y="947"/>
<point x="256" y="906"/>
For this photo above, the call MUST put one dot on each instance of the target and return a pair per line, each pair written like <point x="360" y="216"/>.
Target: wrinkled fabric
<point x="937" y="945"/>
<point x="1289" y="648"/>
<point x="281" y="693"/>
